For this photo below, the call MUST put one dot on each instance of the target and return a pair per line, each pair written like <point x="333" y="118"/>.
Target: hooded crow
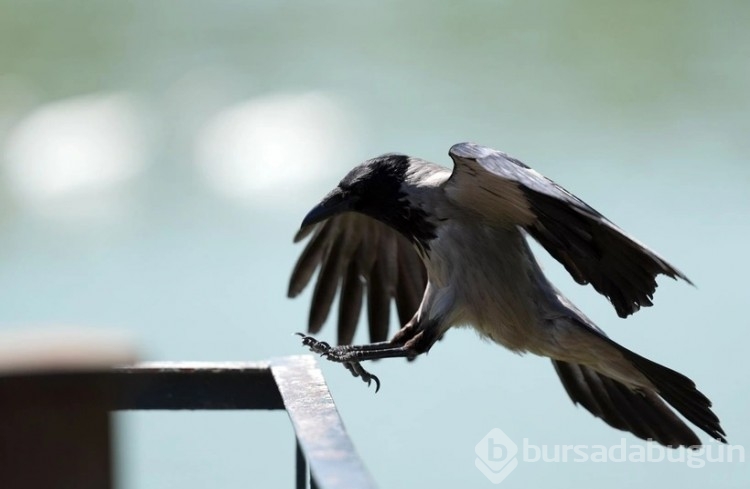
<point x="450" y="249"/>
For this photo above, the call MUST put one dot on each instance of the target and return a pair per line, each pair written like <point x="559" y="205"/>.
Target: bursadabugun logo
<point x="496" y="455"/>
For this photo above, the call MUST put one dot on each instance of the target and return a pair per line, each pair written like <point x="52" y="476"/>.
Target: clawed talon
<point x="358" y="371"/>
<point x="325" y="350"/>
<point x="320" y="347"/>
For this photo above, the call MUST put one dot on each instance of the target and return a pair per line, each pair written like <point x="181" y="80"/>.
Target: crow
<point x="450" y="248"/>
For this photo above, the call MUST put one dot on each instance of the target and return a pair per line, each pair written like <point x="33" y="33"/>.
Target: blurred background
<point x="157" y="157"/>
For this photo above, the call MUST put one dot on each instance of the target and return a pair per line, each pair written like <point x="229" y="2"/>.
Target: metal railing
<point x="82" y="400"/>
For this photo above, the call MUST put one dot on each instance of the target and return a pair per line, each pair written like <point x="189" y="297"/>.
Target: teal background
<point x="156" y="158"/>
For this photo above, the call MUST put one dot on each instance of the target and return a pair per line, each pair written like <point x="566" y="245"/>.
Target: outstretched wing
<point x="360" y="258"/>
<point x="591" y="248"/>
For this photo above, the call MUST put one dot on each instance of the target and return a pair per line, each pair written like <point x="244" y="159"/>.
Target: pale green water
<point x="642" y="110"/>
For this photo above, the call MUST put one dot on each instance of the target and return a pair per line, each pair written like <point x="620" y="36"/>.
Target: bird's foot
<point x="315" y="346"/>
<point x="337" y="354"/>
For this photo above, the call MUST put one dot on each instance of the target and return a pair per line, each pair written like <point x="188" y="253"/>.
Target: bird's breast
<point x="491" y="276"/>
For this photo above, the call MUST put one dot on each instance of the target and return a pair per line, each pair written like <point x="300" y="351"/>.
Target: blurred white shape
<point x="275" y="147"/>
<point x="80" y="148"/>
<point x="54" y="348"/>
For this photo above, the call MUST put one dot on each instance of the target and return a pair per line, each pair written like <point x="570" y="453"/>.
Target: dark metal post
<point x="55" y="428"/>
<point x="55" y="432"/>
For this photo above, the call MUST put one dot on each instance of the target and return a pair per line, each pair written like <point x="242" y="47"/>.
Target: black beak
<point x="334" y="203"/>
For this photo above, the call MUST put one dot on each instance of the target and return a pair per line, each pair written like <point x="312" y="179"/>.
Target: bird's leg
<point x="408" y="342"/>
<point x="355" y="368"/>
<point x="324" y="348"/>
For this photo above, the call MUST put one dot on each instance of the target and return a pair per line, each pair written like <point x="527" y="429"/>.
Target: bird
<point x="451" y="248"/>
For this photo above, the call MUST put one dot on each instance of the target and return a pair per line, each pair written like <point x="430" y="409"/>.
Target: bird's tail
<point x="643" y="412"/>
<point x="680" y="392"/>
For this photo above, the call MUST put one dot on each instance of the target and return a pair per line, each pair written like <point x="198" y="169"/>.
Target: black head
<point x="376" y="188"/>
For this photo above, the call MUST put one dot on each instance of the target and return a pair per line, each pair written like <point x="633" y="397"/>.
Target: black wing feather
<point x="350" y="304"/>
<point x="358" y="257"/>
<point x="590" y="247"/>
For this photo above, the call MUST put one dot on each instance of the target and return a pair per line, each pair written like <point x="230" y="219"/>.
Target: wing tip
<point x="303" y="232"/>
<point x="680" y="275"/>
<point x="292" y="291"/>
